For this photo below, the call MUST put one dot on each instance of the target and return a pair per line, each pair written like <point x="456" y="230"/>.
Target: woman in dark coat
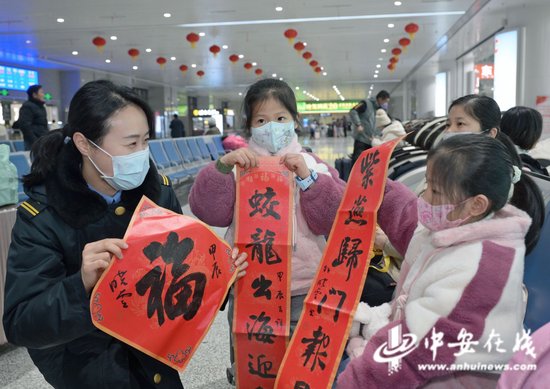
<point x="85" y="182"/>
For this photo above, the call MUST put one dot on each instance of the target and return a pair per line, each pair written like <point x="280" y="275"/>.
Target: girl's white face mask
<point x="129" y="171"/>
<point x="274" y="136"/>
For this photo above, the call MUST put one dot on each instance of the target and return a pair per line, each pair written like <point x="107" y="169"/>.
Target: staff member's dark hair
<point x="89" y="113"/>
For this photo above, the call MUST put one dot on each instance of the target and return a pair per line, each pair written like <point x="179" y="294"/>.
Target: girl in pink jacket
<point x="271" y="118"/>
<point x="459" y="302"/>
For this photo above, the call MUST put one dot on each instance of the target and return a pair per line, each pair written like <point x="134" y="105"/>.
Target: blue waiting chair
<point x="19" y="145"/>
<point x="203" y="149"/>
<point x="197" y="156"/>
<point x="213" y="151"/>
<point x="217" y="139"/>
<point x="537" y="268"/>
<point x="175" y="156"/>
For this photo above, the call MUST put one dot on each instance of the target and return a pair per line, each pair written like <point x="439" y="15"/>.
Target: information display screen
<point x="17" y="78"/>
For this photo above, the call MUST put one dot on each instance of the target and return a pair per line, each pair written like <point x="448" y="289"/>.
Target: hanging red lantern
<point x="299" y="46"/>
<point x="396" y="51"/>
<point x="215" y="49"/>
<point x="394" y="60"/>
<point x="318" y="70"/>
<point x="313" y="63"/>
<point x="233" y="58"/>
<point x="307" y="55"/>
<point x="404" y="42"/>
<point x="290" y="34"/>
<point x="183" y="69"/>
<point x="258" y="72"/>
<point x="200" y="73"/>
<point x="161" y="61"/>
<point x="248" y="66"/>
<point x="99" y="43"/>
<point x="411" y="29"/>
<point x="391" y="67"/>
<point x="193" y="38"/>
<point x="134" y="53"/>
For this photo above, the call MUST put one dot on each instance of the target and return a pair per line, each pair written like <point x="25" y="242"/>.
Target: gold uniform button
<point x="157" y="378"/>
<point x="119" y="211"/>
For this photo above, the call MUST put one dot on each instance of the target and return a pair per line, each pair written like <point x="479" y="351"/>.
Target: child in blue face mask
<point x="462" y="273"/>
<point x="271" y="119"/>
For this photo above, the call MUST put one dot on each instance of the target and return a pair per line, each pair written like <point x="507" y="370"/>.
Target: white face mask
<point x="129" y="171"/>
<point x="274" y="136"/>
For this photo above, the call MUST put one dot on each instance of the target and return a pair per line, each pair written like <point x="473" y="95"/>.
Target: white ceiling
<point x="348" y="49"/>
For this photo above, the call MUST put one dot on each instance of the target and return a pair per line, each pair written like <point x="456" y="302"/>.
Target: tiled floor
<point x="207" y="368"/>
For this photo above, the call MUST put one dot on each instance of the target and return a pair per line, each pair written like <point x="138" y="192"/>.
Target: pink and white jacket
<point x="469" y="277"/>
<point x="212" y="200"/>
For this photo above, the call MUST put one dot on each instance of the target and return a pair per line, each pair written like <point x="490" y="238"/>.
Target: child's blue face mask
<point x="274" y="136"/>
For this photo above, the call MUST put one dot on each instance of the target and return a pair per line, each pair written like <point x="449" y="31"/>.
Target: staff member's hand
<point x="297" y="164"/>
<point x="242" y="157"/>
<point x="96" y="256"/>
<point x="359" y="128"/>
<point x="240" y="263"/>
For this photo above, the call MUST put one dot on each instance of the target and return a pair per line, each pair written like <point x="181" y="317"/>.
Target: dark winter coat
<point x="47" y="308"/>
<point x="33" y="121"/>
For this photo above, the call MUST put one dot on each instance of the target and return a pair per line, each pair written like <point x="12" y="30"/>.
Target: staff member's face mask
<point x="129" y="171"/>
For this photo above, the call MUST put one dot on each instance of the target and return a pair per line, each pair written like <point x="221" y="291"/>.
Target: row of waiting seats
<point x="180" y="158"/>
<point x="14" y="145"/>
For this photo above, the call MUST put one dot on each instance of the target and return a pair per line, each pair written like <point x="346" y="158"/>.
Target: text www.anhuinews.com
<point x="476" y="367"/>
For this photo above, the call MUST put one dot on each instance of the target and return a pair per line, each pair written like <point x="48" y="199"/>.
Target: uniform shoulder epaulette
<point x="30" y="208"/>
<point x="164" y="180"/>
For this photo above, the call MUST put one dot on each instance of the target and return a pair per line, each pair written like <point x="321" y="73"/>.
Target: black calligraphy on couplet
<point x="263" y="204"/>
<point x="367" y="168"/>
<point x="349" y="253"/>
<point x="262" y="247"/>
<point x="260" y="330"/>
<point x="261" y="287"/>
<point x="216" y="272"/>
<point x="356" y="212"/>
<point x="260" y="367"/>
<point x="301" y="385"/>
<point x="120" y="280"/>
<point x="184" y="294"/>
<point x="315" y="350"/>
<point x="333" y="292"/>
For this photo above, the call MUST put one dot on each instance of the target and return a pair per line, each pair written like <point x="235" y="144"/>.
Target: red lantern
<point x="161" y="61"/>
<point x="183" y="69"/>
<point x="391" y="67"/>
<point x="307" y="55"/>
<point x="200" y="73"/>
<point x="318" y="70"/>
<point x="233" y="58"/>
<point x="290" y="34"/>
<point x="193" y="39"/>
<point x="99" y="43"/>
<point x="396" y="51"/>
<point x="215" y="49"/>
<point x="313" y="63"/>
<point x="299" y="46"/>
<point x="411" y="29"/>
<point x="404" y="42"/>
<point x="248" y="66"/>
<point x="134" y="53"/>
<point x="258" y="72"/>
<point x="394" y="60"/>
